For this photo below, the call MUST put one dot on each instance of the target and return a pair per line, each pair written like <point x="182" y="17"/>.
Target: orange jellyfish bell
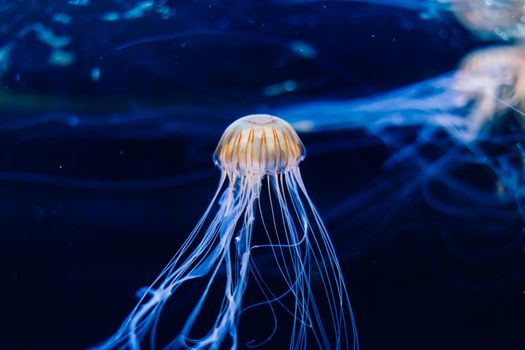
<point x="259" y="143"/>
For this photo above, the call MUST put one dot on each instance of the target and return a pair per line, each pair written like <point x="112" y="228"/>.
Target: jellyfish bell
<point x="497" y="72"/>
<point x="491" y="82"/>
<point x="489" y="19"/>
<point x="259" y="143"/>
<point x="221" y="250"/>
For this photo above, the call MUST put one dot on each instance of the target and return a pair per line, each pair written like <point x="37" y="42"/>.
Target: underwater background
<point x="110" y="112"/>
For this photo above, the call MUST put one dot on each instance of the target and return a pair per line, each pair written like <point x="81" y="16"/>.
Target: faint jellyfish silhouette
<point x="489" y="19"/>
<point x="436" y="134"/>
<point x="491" y="82"/>
<point x="258" y="156"/>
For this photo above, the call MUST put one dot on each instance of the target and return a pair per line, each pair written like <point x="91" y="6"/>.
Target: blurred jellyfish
<point x="258" y="156"/>
<point x="489" y="19"/>
<point x="488" y="84"/>
<point x="492" y="81"/>
<point x="434" y="136"/>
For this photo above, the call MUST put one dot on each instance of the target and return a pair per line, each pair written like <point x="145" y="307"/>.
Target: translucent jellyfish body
<point x="491" y="82"/>
<point x="435" y="132"/>
<point x="260" y="225"/>
<point x="488" y="85"/>
<point x="495" y="18"/>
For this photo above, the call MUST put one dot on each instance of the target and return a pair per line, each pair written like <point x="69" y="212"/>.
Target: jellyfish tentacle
<point x="142" y="307"/>
<point x="344" y="300"/>
<point x="283" y="266"/>
<point x="197" y="265"/>
<point x="308" y="305"/>
<point x="299" y="263"/>
<point x="226" y="322"/>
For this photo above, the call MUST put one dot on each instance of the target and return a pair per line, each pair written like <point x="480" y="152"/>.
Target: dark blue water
<point x="109" y="115"/>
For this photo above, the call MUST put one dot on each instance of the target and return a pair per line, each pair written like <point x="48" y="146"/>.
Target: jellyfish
<point x="261" y="206"/>
<point x="466" y="103"/>
<point x="492" y="80"/>
<point x="489" y="19"/>
<point x="432" y="136"/>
